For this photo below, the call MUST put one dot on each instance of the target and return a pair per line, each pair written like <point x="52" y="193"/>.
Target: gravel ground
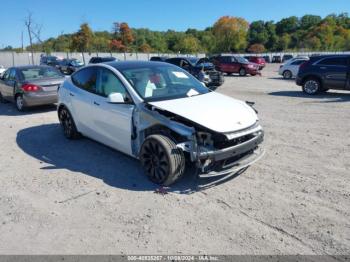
<point x="79" y="197"/>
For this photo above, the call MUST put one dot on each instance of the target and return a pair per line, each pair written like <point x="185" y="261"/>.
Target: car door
<point x="226" y="64"/>
<point x="294" y="67"/>
<point x="8" y="84"/>
<point x="3" y="80"/>
<point x="348" y="75"/>
<point x="235" y="65"/>
<point x="334" y="71"/>
<point x="112" y="122"/>
<point x="82" y="99"/>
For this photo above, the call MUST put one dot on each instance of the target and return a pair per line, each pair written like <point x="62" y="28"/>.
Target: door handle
<point x="95" y="103"/>
<point x="71" y="94"/>
<point x="323" y="67"/>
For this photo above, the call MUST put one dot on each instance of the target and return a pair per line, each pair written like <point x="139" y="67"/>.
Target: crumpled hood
<point x="214" y="111"/>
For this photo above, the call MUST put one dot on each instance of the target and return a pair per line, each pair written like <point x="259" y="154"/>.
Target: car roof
<point x="120" y="65"/>
<point x="31" y="66"/>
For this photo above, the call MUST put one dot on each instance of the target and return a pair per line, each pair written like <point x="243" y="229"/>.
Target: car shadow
<point x="239" y="76"/>
<point x="9" y="109"/>
<point x="281" y="78"/>
<point x="47" y="144"/>
<point x="327" y="97"/>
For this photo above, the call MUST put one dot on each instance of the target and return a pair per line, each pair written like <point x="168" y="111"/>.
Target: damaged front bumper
<point x="230" y="159"/>
<point x="235" y="166"/>
<point x="232" y="151"/>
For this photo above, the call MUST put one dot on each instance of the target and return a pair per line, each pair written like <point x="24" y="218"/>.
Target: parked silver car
<point x="30" y="85"/>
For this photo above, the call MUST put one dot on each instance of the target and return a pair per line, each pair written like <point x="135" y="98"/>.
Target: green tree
<point x="189" y="44"/>
<point x="271" y="43"/>
<point x="256" y="48"/>
<point x="145" y="48"/>
<point x="82" y="40"/>
<point x="283" y="42"/>
<point x="230" y="34"/>
<point x="309" y="21"/>
<point x="258" y="33"/>
<point x="287" y="25"/>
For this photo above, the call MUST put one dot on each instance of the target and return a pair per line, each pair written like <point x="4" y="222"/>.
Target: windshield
<point x="241" y="59"/>
<point x="163" y="82"/>
<point x="193" y="60"/>
<point x="39" y="73"/>
<point x="76" y="62"/>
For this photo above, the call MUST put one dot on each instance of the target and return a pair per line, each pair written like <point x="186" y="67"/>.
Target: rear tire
<point x="19" y="103"/>
<point x="161" y="160"/>
<point x="312" y="86"/>
<point x="287" y="74"/>
<point x="242" y="72"/>
<point x="69" y="128"/>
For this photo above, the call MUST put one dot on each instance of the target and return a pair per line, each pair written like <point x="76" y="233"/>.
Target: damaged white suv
<point x="163" y="116"/>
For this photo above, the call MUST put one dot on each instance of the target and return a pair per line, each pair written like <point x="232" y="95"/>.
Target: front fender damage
<point x="213" y="153"/>
<point x="146" y="117"/>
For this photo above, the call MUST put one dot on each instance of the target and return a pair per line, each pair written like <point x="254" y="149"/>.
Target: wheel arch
<point x="312" y="76"/>
<point x="60" y="107"/>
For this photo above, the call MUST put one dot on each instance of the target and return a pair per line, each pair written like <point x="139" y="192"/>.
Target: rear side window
<point x="86" y="79"/>
<point x="334" y="61"/>
<point x="298" y="62"/>
<point x="174" y="61"/>
<point x="6" y="74"/>
<point x="12" y="76"/>
<point x="39" y="72"/>
<point x="225" y="59"/>
<point x="107" y="59"/>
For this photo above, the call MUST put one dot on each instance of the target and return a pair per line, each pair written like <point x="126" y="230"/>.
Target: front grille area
<point x="215" y="75"/>
<point x="224" y="143"/>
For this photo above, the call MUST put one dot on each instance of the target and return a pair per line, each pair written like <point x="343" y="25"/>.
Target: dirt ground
<point x="79" y="197"/>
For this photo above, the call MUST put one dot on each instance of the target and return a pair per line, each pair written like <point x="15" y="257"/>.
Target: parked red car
<point x="258" y="60"/>
<point x="235" y="64"/>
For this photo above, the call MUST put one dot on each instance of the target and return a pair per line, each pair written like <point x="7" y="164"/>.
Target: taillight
<point x="30" y="88"/>
<point x="304" y="64"/>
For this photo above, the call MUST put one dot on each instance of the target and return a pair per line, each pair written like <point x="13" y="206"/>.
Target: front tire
<point x="312" y="86"/>
<point x="287" y="74"/>
<point x="242" y="72"/>
<point x="161" y="160"/>
<point x="69" y="128"/>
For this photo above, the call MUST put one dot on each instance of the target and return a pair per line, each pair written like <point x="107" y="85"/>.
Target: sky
<point x="65" y="16"/>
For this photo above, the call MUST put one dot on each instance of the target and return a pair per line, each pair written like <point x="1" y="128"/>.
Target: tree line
<point x="228" y="34"/>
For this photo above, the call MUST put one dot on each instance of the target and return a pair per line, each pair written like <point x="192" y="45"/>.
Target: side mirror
<point x="115" y="98"/>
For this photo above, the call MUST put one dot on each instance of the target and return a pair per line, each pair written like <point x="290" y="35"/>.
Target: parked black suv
<point x="276" y="59"/>
<point x="322" y="73"/>
<point x="195" y="65"/>
<point x="49" y="60"/>
<point x="97" y="59"/>
<point x="159" y="58"/>
<point x="69" y="66"/>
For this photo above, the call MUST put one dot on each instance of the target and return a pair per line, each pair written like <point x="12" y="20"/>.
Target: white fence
<point x="8" y="59"/>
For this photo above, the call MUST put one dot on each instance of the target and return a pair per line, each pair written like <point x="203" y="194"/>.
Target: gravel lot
<point x="79" y="197"/>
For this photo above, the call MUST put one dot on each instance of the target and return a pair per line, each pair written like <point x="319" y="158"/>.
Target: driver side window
<point x="108" y="83"/>
<point x="6" y="75"/>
